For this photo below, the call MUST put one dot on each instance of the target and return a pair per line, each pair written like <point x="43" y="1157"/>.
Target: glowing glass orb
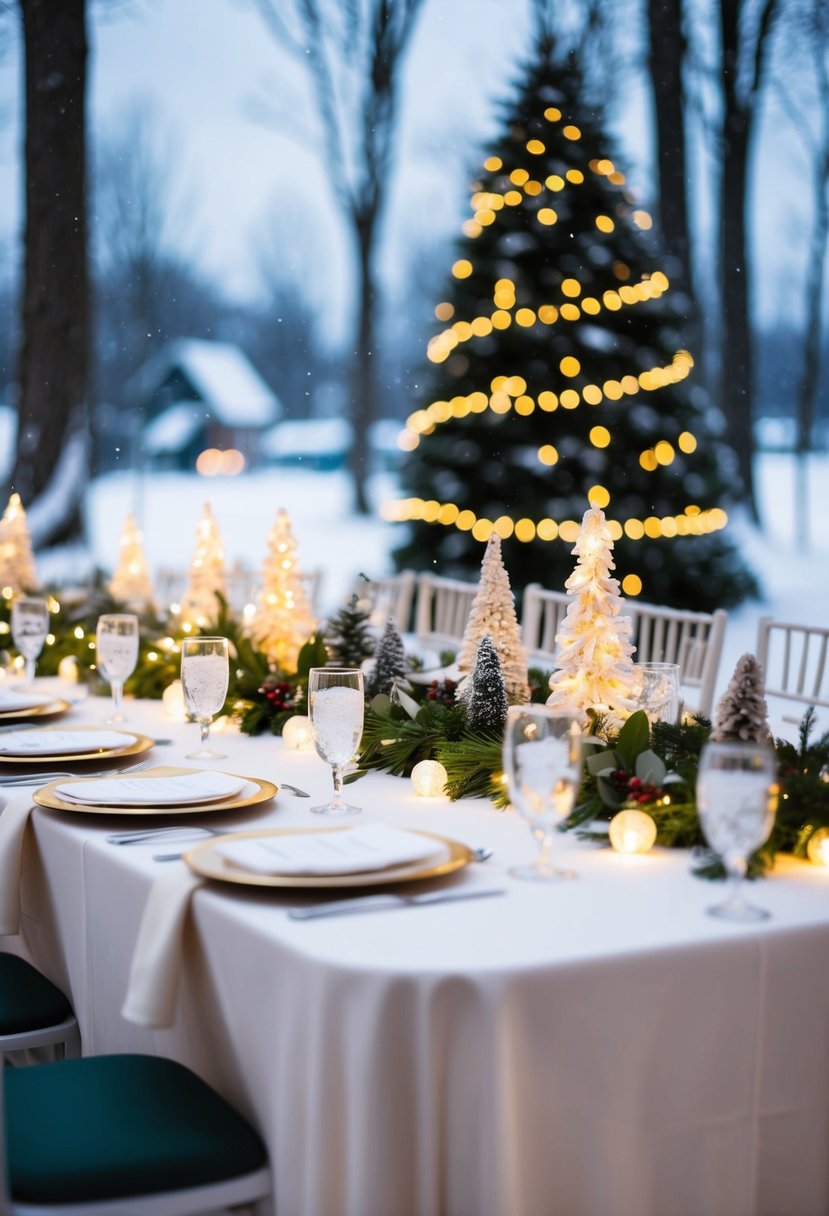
<point x="68" y="669"/>
<point x="818" y="847"/>
<point x="632" y="832"/>
<point x="297" y="733"/>
<point x="429" y="778"/>
<point x="173" y="701"/>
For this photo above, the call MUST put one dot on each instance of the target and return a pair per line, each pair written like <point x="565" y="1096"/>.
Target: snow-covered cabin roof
<point x="173" y="428"/>
<point x="225" y="379"/>
<point x="307" y="437"/>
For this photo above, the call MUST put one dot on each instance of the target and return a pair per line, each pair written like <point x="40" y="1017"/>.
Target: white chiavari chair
<point x="442" y="610"/>
<point x="794" y="661"/>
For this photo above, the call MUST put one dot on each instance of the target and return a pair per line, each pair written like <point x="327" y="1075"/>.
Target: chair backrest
<point x="391" y="596"/>
<point x="793" y="658"/>
<point x="694" y="640"/>
<point x="442" y="610"/>
<point x="541" y="616"/>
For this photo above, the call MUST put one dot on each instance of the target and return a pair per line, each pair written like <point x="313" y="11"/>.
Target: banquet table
<point x="598" y="1047"/>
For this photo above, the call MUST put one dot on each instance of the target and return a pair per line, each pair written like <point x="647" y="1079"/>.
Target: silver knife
<point x="386" y="903"/>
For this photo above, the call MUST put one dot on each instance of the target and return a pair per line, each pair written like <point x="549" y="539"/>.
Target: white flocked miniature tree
<point x="493" y="613"/>
<point x="200" y="604"/>
<point x="131" y="583"/>
<point x="283" y="621"/>
<point x="594" y="670"/>
<point x="742" y="713"/>
<point x="17" y="565"/>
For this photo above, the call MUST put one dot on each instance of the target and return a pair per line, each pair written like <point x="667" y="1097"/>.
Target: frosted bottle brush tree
<point x="389" y="662"/>
<point x="486" y="701"/>
<point x="595" y="669"/>
<point x="283" y="621"/>
<point x="742" y="713"/>
<point x="493" y="613"/>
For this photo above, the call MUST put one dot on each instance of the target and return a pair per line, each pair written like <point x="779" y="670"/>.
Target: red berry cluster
<point x="280" y="694"/>
<point x="634" y="789"/>
<point x="442" y="691"/>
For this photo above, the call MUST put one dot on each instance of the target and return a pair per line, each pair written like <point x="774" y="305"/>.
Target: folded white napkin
<point x="183" y="790"/>
<point x="11" y="702"/>
<point x="13" y="820"/>
<point x="375" y="846"/>
<point x="156" y="960"/>
<point x="61" y="742"/>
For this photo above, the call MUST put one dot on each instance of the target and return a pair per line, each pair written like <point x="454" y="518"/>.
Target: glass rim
<point x="658" y="666"/>
<point x="31" y="599"/>
<point x="337" y="671"/>
<point x="118" y="616"/>
<point x="204" y="638"/>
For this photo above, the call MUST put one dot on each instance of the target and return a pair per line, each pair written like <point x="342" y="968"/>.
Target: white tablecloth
<point x="593" y="1048"/>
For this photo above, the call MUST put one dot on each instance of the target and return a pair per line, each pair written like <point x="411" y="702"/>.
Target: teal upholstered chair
<point x="33" y="1012"/>
<point x="124" y="1135"/>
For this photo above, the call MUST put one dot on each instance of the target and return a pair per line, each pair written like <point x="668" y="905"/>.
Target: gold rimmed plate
<point x="134" y="745"/>
<point x="206" y="860"/>
<point x="49" y="709"/>
<point x="256" y="791"/>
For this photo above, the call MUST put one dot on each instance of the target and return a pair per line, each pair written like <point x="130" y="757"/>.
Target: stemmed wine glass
<point x="736" y="800"/>
<point x="542" y="761"/>
<point x="30" y="624"/>
<point x="336" y="701"/>
<point x="204" y="679"/>
<point x="116" y="647"/>
<point x="658" y="691"/>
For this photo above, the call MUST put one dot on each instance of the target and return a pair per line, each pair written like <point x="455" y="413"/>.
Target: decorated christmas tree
<point x="283" y="621"/>
<point x="493" y="613"/>
<point x="199" y="604"/>
<point x="389" y="662"/>
<point x="487" y="700"/>
<point x="559" y="375"/>
<point x="742" y="713"/>
<point x="17" y="565"/>
<point x="348" y="635"/>
<point x="131" y="583"/>
<point x="594" y="670"/>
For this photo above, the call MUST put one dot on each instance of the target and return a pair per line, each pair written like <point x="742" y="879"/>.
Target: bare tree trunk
<point x="667" y="46"/>
<point x="810" y="375"/>
<point x="736" y="367"/>
<point x="54" y="359"/>
<point x="363" y="406"/>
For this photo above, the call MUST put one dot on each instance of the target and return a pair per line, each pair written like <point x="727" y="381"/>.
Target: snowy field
<point x="795" y="578"/>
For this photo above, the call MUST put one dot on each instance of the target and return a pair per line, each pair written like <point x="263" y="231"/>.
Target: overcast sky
<point x="203" y="62"/>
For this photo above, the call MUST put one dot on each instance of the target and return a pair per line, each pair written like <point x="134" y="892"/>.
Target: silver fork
<point x="56" y="775"/>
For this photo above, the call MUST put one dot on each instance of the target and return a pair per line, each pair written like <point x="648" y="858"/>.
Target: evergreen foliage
<point x="560" y="375"/>
<point x="348" y="635"/>
<point x="742" y="713"/>
<point x="487" y="700"/>
<point x="389" y="662"/>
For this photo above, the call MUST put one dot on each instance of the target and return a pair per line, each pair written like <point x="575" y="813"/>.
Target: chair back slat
<point x="391" y="596"/>
<point x="793" y="658"/>
<point x="541" y="617"/>
<point x="442" y="610"/>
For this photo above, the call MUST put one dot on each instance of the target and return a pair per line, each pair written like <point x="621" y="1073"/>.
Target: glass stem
<point x="117" y="698"/>
<point x="545" y="848"/>
<point x="30" y="670"/>
<point x="337" y="775"/>
<point x="736" y="869"/>
<point x="204" y="728"/>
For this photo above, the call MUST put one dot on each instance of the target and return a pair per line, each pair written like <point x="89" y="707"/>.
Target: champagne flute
<point x="658" y="691"/>
<point x="336" y="701"/>
<point x="542" y="761"/>
<point x="116" y="648"/>
<point x="204" y="679"/>
<point x="736" y="800"/>
<point x="30" y="624"/>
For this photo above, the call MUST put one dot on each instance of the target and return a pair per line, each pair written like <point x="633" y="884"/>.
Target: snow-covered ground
<point x="330" y="537"/>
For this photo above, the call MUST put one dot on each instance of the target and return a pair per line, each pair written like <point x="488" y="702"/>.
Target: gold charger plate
<point x="49" y="709"/>
<point x="141" y="743"/>
<point x="48" y="796"/>
<point x="204" y="860"/>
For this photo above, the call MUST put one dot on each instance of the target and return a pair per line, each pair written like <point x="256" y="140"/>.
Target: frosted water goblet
<point x="205" y="672"/>
<point x="116" y="649"/>
<point x="336" y="706"/>
<point x="30" y="624"/>
<point x="542" y="761"/>
<point x="658" y="691"/>
<point x="737" y="801"/>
